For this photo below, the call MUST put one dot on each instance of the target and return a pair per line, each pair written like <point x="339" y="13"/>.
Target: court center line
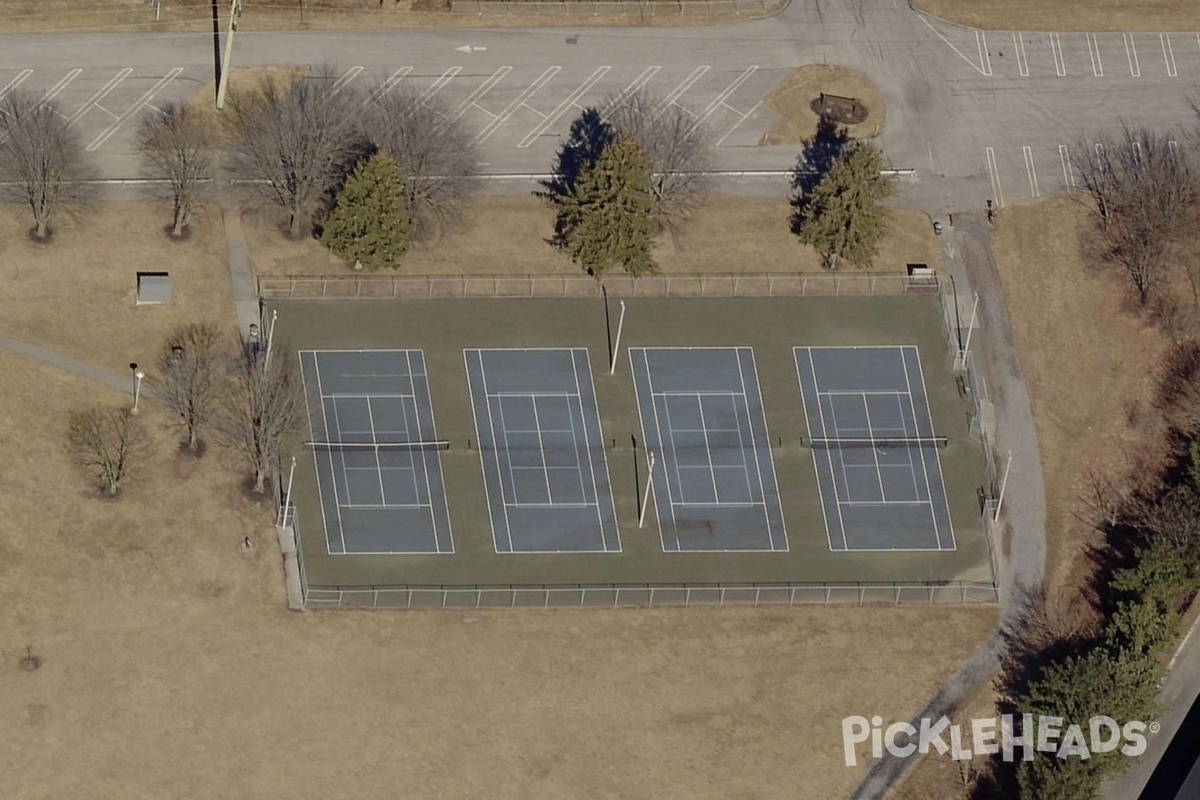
<point x="378" y="463"/>
<point x="874" y="450"/>
<point x="712" y="470"/>
<point x="912" y="468"/>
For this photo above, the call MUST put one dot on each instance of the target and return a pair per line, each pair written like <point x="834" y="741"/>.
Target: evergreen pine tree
<point x="607" y="217"/>
<point x="370" y="223"/>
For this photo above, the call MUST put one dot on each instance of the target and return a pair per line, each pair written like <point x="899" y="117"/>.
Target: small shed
<point x="153" y="288"/>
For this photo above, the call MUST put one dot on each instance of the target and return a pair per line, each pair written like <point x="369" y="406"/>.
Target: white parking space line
<point x="678" y="91"/>
<point x="15" y="82"/>
<point x="725" y="93"/>
<point x="479" y="92"/>
<point x="58" y="87"/>
<point x="1135" y="69"/>
<point x="387" y="85"/>
<point x="1029" y="168"/>
<point x="561" y="108"/>
<point x="341" y="82"/>
<point x="994" y="175"/>
<point x="1094" y="51"/>
<point x="1173" y="146"/>
<point x="440" y="83"/>
<point x="1168" y="54"/>
<point x="1099" y="153"/>
<point x="1060" y="64"/>
<point x="985" y="60"/>
<point x="1068" y="170"/>
<point x="528" y="92"/>
<point x="1137" y="150"/>
<point x="741" y="118"/>
<point x="133" y="109"/>
<point x="628" y="91"/>
<point x="99" y="95"/>
<point x="1022" y="59"/>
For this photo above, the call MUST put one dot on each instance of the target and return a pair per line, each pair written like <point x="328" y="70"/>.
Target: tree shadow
<point x="816" y="158"/>
<point x="589" y="135"/>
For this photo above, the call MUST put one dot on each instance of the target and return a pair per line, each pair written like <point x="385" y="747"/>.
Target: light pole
<point x="612" y="367"/>
<point x="138" y="375"/>
<point x="270" y="338"/>
<point x="235" y="10"/>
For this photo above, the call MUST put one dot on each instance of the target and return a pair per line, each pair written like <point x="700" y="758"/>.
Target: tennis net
<point x="881" y="443"/>
<point x="438" y="444"/>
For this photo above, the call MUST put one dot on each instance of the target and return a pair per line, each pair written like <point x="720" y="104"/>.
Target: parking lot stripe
<point x="1173" y="146"/>
<point x="480" y="91"/>
<point x="741" y="118"/>
<point x="1168" y="54"/>
<point x="58" y="87"/>
<point x="725" y="93"/>
<point x="1137" y="150"/>
<point x="528" y="92"/>
<point x="1022" y="60"/>
<point x="1060" y="64"/>
<point x="678" y="91"/>
<point x="133" y="109"/>
<point x="442" y="80"/>
<point x="99" y="95"/>
<point x="985" y="60"/>
<point x="1094" y="51"/>
<point x="341" y="82"/>
<point x="562" y="107"/>
<point x="628" y="91"/>
<point x="994" y="176"/>
<point x="387" y="85"/>
<point x="1032" y="172"/>
<point x="15" y="82"/>
<point x="1135" y="69"/>
<point x="1068" y="171"/>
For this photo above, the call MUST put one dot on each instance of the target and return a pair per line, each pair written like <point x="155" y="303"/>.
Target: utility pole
<point x="235" y="11"/>
<point x="216" y="44"/>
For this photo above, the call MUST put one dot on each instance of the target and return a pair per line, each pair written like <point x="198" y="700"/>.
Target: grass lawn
<point x="791" y="101"/>
<point x="506" y="234"/>
<point x="172" y="669"/>
<point x="1070" y="15"/>
<point x="77" y="294"/>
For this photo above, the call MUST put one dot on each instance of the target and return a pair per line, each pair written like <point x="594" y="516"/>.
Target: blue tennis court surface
<point x="713" y="478"/>
<point x="377" y="496"/>
<point x="877" y="493"/>
<point x="542" y="451"/>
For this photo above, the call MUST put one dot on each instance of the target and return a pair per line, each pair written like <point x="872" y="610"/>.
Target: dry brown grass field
<point x="1069" y="15"/>
<point x="171" y="668"/>
<point x="798" y="122"/>
<point x="505" y="234"/>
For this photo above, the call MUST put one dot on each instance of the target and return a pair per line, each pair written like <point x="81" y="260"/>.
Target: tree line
<point x="368" y="171"/>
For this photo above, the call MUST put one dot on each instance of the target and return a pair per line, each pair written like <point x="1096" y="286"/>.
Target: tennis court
<point x="708" y="449"/>
<point x="375" y="447"/>
<point x="542" y="451"/>
<point x="874" y="448"/>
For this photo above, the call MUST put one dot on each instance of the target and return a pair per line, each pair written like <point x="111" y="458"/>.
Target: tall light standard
<point x="138" y="375"/>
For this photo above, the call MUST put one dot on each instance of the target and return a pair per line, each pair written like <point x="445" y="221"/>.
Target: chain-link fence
<point x="393" y="287"/>
<point x="617" y="596"/>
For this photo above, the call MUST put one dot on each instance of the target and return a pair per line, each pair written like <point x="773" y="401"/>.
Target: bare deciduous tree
<point x="677" y="144"/>
<point x="194" y="362"/>
<point x="265" y="406"/>
<point x="292" y="141"/>
<point x="43" y="158"/>
<point x="109" y="444"/>
<point x="178" y="146"/>
<point x="435" y="151"/>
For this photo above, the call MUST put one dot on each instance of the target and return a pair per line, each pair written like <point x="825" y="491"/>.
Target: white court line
<point x="520" y="100"/>
<point x="587" y="444"/>
<point x="757" y="459"/>
<point x="1031" y="170"/>
<point x="985" y="59"/>
<point x="658" y="430"/>
<point x="482" y="463"/>
<point x="1135" y="69"/>
<point x="725" y="93"/>
<point x="133" y="109"/>
<point x="341" y="82"/>
<point x="541" y="451"/>
<point x="678" y="91"/>
<point x="562" y="107"/>
<point x="812" y="368"/>
<point x="341" y="530"/>
<point x="1168" y="54"/>
<point x="100" y="94"/>
<point x="1094" y="52"/>
<point x="994" y="175"/>
<point x="1068" y="171"/>
<point x="1060" y="64"/>
<point x="874" y="451"/>
<point x="412" y="382"/>
<point x="628" y="91"/>
<point x="936" y="456"/>
<point x="378" y="463"/>
<point x="15" y="82"/>
<point x="741" y="118"/>
<point x="496" y="452"/>
<point x="712" y="472"/>
<point x="952" y="47"/>
<point x="1022" y="59"/>
<point x="912" y="468"/>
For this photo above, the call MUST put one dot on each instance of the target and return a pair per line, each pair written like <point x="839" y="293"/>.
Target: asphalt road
<point x="977" y="115"/>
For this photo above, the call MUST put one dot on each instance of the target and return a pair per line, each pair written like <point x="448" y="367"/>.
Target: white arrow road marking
<point x="99" y="95"/>
<point x="133" y="109"/>
<point x="541" y="127"/>
<point x="527" y="93"/>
